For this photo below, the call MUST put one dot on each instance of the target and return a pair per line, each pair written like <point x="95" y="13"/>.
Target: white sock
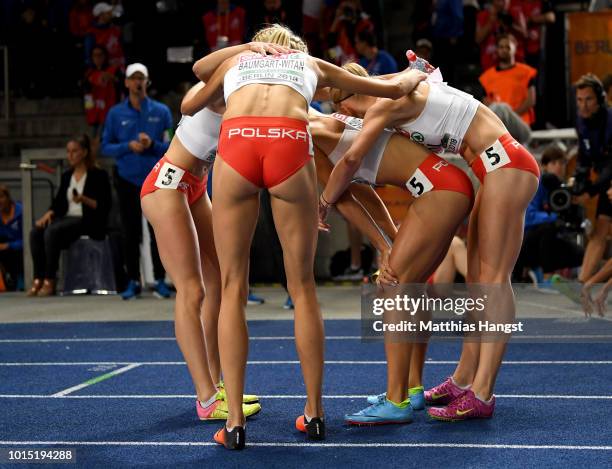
<point x="459" y="386"/>
<point x="482" y="400"/>
<point x="355" y="267"/>
<point x="210" y="401"/>
<point x="307" y="419"/>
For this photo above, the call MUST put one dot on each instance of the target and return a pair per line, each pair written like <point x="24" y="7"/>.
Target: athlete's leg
<point x="595" y="248"/>
<point x="423" y="238"/>
<point x="202" y="217"/>
<point x="468" y="362"/>
<point x="168" y="212"/>
<point x="234" y="214"/>
<point x="506" y="195"/>
<point x="454" y="261"/>
<point x="294" y="206"/>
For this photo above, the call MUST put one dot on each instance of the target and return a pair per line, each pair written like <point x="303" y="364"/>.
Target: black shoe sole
<point x="315" y="429"/>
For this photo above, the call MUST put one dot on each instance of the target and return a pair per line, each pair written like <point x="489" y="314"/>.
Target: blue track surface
<point x="151" y="421"/>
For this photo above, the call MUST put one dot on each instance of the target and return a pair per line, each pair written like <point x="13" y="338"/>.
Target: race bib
<point x="353" y="122"/>
<point x="285" y="67"/>
<point x="419" y="184"/>
<point x="169" y="176"/>
<point x="494" y="157"/>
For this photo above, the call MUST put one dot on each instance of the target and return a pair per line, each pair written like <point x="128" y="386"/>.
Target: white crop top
<point x="369" y="166"/>
<point x="292" y="70"/>
<point x="444" y="120"/>
<point x="199" y="134"/>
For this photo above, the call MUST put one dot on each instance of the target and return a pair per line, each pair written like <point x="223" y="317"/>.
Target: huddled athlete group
<point x="250" y="117"/>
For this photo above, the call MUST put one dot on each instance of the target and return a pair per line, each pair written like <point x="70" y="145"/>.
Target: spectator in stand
<point x="376" y="61"/>
<point x="349" y="20"/>
<point x="312" y="12"/>
<point x="224" y="26"/>
<point x="537" y="13"/>
<point x="594" y="128"/>
<point x="30" y="38"/>
<point x="498" y="19"/>
<point x="11" y="240"/>
<point x="81" y="19"/>
<point x="544" y="250"/>
<point x="80" y="207"/>
<point x="447" y="29"/>
<point x="104" y="32"/>
<point x="424" y="49"/>
<point x="272" y="12"/>
<point x="607" y="84"/>
<point x="101" y="89"/>
<point x="511" y="82"/>
<point x="137" y="134"/>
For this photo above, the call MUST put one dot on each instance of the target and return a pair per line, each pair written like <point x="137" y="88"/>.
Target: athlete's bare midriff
<point x="400" y="160"/>
<point x="266" y="101"/>
<point x="178" y="155"/>
<point x="483" y="131"/>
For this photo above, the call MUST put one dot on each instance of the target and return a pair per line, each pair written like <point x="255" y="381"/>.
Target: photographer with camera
<point x="594" y="128"/>
<point x="349" y="21"/>
<point x="551" y="222"/>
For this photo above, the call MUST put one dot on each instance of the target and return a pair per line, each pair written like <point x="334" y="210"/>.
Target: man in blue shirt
<point x="136" y="134"/>
<point x="374" y="60"/>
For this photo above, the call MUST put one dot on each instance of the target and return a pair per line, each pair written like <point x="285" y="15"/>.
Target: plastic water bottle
<point x="418" y="63"/>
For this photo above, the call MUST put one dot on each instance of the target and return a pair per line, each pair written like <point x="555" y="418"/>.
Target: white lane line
<point x="95" y="380"/>
<point x="312" y="445"/>
<point x="272" y="338"/>
<point x="328" y="362"/>
<point x="278" y="396"/>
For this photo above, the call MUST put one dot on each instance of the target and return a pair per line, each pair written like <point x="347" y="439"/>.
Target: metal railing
<point x="29" y="162"/>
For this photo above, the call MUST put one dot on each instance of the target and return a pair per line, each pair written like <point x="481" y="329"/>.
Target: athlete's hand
<point x="409" y="80"/>
<point x="265" y="48"/>
<point x="387" y="276"/>
<point x="601" y="300"/>
<point x="323" y="212"/>
<point x="587" y="301"/>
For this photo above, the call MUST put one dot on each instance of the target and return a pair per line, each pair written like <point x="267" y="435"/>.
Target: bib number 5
<point x="419" y="184"/>
<point x="494" y="157"/>
<point x="169" y="176"/>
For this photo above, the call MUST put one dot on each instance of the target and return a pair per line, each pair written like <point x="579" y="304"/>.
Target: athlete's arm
<point x="199" y="97"/>
<point x="374" y="123"/>
<point x="206" y="66"/>
<point x="336" y="77"/>
<point x="360" y="206"/>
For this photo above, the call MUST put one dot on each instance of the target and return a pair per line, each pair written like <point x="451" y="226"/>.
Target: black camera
<point x="581" y="180"/>
<point x="570" y="215"/>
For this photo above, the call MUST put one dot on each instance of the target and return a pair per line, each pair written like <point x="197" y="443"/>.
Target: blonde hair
<point x="281" y="35"/>
<point x="337" y="94"/>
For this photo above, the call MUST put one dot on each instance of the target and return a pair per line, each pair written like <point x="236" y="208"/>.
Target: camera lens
<point x="560" y="199"/>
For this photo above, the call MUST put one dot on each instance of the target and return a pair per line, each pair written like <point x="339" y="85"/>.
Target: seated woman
<point x="80" y="207"/>
<point x="11" y="241"/>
